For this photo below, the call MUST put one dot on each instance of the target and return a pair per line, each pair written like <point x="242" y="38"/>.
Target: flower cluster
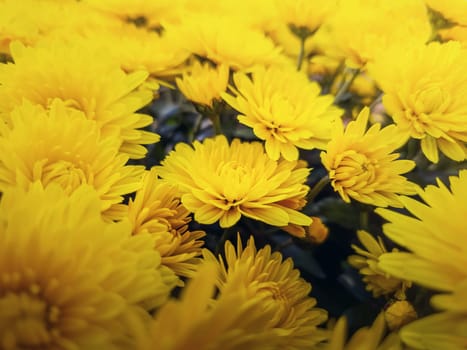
<point x="180" y="174"/>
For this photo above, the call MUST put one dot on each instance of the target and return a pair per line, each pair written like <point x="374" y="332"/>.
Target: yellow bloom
<point x="307" y="14"/>
<point x="221" y="39"/>
<point x="361" y="164"/>
<point x="137" y="49"/>
<point x="202" y="83"/>
<point x="231" y="321"/>
<point x="222" y="182"/>
<point x="156" y="209"/>
<point x="436" y="237"/>
<point x="285" y="109"/>
<point x="453" y="10"/>
<point x="142" y="13"/>
<point x="363" y="29"/>
<point x="424" y="89"/>
<point x="30" y="20"/>
<point x="258" y="14"/>
<point x="441" y="331"/>
<point x="69" y="280"/>
<point x="366" y="338"/>
<point x="377" y="281"/>
<point x="61" y="146"/>
<point x="96" y="87"/>
<point x="275" y="285"/>
<point x="16" y="23"/>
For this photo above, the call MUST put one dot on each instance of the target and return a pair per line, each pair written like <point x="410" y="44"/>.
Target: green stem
<point x="284" y="245"/>
<point x="195" y="129"/>
<point x="216" y="122"/>
<point x="364" y="219"/>
<point x="329" y="82"/>
<point x="413" y="146"/>
<point x="317" y="188"/>
<point x="345" y="86"/>
<point x="301" y="54"/>
<point x="224" y="238"/>
<point x="378" y="99"/>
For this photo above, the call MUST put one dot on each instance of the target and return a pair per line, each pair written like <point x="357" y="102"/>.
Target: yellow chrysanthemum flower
<point x="285" y="109"/>
<point x="236" y="180"/>
<point x="258" y="14"/>
<point x="437" y="239"/>
<point x="221" y="39"/>
<point x="69" y="280"/>
<point x="377" y="281"/>
<point x="366" y="338"/>
<point x="424" y="89"/>
<point x="142" y="13"/>
<point x="203" y="84"/>
<point x="277" y="286"/>
<point x="73" y="73"/>
<point x="159" y="54"/>
<point x="62" y="146"/>
<point x="361" y="164"/>
<point x="30" y="20"/>
<point x="16" y="23"/>
<point x="231" y="321"/>
<point x="440" y="331"/>
<point x="453" y="10"/>
<point x="306" y="14"/>
<point x="363" y="29"/>
<point x="156" y="209"/>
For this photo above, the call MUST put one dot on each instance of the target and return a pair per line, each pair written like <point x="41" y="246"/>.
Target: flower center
<point x="354" y="169"/>
<point x="237" y="179"/>
<point x="26" y="321"/>
<point x="232" y="168"/>
<point x="63" y="172"/>
<point x="281" y="302"/>
<point x="431" y="99"/>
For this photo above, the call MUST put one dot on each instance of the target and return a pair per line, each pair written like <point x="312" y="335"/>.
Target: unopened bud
<point x="399" y="314"/>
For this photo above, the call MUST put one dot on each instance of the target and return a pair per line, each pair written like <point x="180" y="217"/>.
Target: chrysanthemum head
<point x="305" y="14"/>
<point x="273" y="284"/>
<point x="363" y="29"/>
<point x="156" y="209"/>
<point x="424" y="89"/>
<point x="60" y="145"/>
<point x="141" y="13"/>
<point x="366" y="261"/>
<point x="236" y="180"/>
<point x="221" y="39"/>
<point x="284" y="109"/>
<point x="372" y="337"/>
<point x="203" y="84"/>
<point x="205" y="319"/>
<point x="435" y="234"/>
<point x="73" y="73"/>
<point x="361" y="164"/>
<point x="70" y="280"/>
